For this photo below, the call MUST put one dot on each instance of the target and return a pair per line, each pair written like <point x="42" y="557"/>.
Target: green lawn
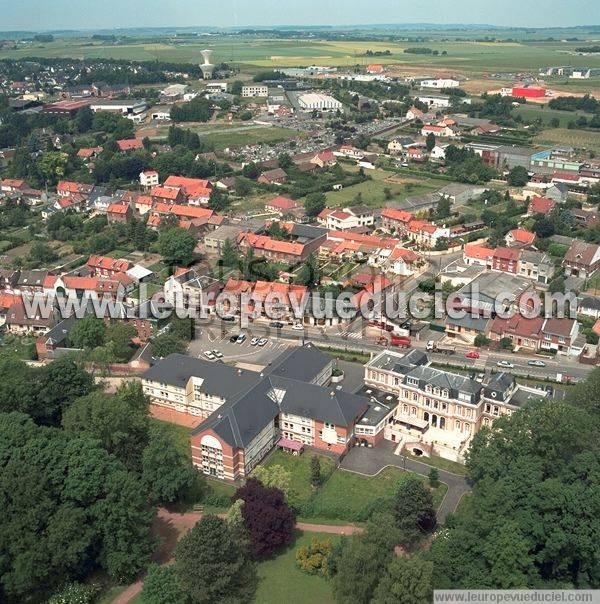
<point x="280" y="580"/>
<point x="441" y="464"/>
<point x="354" y="496"/>
<point x="301" y="490"/>
<point x="344" y="496"/>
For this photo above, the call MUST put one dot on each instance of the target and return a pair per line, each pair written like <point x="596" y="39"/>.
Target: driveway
<point x="370" y="462"/>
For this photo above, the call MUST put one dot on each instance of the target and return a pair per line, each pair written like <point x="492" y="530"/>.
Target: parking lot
<point x="215" y="338"/>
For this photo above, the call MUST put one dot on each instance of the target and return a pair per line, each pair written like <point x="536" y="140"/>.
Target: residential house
<point x="519" y="238"/>
<point x="561" y="335"/>
<point x="506" y="260"/>
<point x="19" y="322"/>
<point x="149" y="179"/>
<point x="477" y="254"/>
<point x="324" y="159"/>
<point x="130" y="144"/>
<point x="104" y="266"/>
<point x="399" y="144"/>
<point x="187" y="288"/>
<point x="523" y="332"/>
<point x="582" y="259"/>
<point x="395" y="221"/>
<point x="350" y="218"/>
<point x="276" y="177"/>
<point x="119" y="213"/>
<point x="196" y="190"/>
<point x="536" y="265"/>
<point x="281" y="205"/>
<point x="540" y="205"/>
<point x="441" y="131"/>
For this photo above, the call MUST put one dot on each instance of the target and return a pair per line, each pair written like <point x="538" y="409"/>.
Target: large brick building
<point x="247" y="413"/>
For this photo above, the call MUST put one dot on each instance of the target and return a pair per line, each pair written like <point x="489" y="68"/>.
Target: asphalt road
<point x="216" y="336"/>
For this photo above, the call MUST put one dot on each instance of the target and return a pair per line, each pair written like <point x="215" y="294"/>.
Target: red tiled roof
<point x="130" y="144"/>
<point x="281" y="203"/>
<point x="118" y="208"/>
<point x="165" y="192"/>
<point x="480" y="252"/>
<point x="540" y="205"/>
<point x="399" y="215"/>
<point x="522" y="236"/>
<point x="106" y="263"/>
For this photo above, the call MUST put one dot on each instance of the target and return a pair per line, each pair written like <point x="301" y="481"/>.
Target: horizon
<point x="34" y="16"/>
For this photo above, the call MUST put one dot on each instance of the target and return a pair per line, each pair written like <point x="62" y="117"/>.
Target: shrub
<point x="314" y="558"/>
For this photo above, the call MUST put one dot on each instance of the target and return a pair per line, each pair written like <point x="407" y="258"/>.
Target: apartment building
<point x="439" y="412"/>
<point x="247" y="413"/>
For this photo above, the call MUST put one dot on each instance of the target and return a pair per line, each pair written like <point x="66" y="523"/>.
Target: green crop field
<point x="532" y="112"/>
<point x="463" y="56"/>
<point x="373" y="192"/>
<point x="229" y="135"/>
<point x="578" y="139"/>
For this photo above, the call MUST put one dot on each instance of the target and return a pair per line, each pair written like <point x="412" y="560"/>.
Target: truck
<point x="440" y="348"/>
<point x="400" y="341"/>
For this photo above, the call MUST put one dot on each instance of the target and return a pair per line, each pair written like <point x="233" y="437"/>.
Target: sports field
<point x="462" y="56"/>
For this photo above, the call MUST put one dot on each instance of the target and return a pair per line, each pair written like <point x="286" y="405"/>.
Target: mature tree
<point x="533" y="519"/>
<point x="182" y="328"/>
<point x="166" y="344"/>
<point x="363" y="559"/>
<point x="88" y="332"/>
<point x="167" y="471"/>
<point x="406" y="580"/>
<point x="118" y="338"/>
<point x="481" y="340"/>
<point x="314" y="558"/>
<point x="211" y="566"/>
<point x="177" y="246"/>
<point x="68" y="507"/>
<point x="430" y="141"/>
<point x="268" y="519"/>
<point x="161" y="586"/>
<point x="229" y="254"/>
<point x="315" y="471"/>
<point x="544" y="227"/>
<point x="285" y="161"/>
<point x="275" y="476"/>
<point x="518" y="177"/>
<point x="413" y="509"/>
<point x="586" y="394"/>
<point x="444" y="208"/>
<point x="314" y="204"/>
<point x="75" y="592"/>
<point x="434" y="477"/>
<point x="219" y="201"/>
<point x="121" y="428"/>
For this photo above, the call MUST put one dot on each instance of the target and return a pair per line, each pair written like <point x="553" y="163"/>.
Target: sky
<point x="106" y="14"/>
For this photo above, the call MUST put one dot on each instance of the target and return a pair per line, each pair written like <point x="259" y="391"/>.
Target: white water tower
<point x="207" y="67"/>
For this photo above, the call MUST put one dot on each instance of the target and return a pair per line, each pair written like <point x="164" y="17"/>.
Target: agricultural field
<point x="373" y="192"/>
<point x="533" y="112"/>
<point x="221" y="136"/>
<point x="578" y="139"/>
<point x="469" y="57"/>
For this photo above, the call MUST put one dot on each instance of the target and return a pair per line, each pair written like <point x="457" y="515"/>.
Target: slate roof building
<point x="247" y="413"/>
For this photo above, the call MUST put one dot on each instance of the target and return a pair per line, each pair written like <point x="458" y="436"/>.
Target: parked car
<point x="241" y="338"/>
<point x="228" y="319"/>
<point x="218" y="354"/>
<point x="209" y="355"/>
<point x="262" y="341"/>
<point x="298" y="327"/>
<point x="276" y="324"/>
<point x="472" y="354"/>
<point x="536" y="363"/>
<point x="233" y="339"/>
<point x="254" y="341"/>
<point x="506" y="364"/>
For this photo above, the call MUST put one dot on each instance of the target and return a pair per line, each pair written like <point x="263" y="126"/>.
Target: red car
<point x="473" y="354"/>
